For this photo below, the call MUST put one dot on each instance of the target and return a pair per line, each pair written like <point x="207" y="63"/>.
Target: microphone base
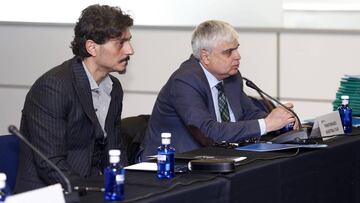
<point x="72" y="197"/>
<point x="291" y="137"/>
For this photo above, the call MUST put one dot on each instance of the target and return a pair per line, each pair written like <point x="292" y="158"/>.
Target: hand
<point x="279" y="117"/>
<point x="296" y="125"/>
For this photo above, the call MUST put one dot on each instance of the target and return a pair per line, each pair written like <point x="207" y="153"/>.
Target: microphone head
<point x="252" y="85"/>
<point x="12" y="129"/>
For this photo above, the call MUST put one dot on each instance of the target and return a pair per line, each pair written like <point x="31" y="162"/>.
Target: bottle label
<point x="168" y="167"/>
<point x="161" y="157"/>
<point x="119" y="178"/>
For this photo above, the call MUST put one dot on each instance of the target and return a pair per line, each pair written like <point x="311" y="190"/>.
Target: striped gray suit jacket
<point x="59" y="119"/>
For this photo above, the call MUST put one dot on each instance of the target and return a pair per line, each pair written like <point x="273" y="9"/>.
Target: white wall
<point x="321" y="14"/>
<point x="254" y="13"/>
<point x="325" y="14"/>
<point x="311" y="66"/>
<point x="299" y="66"/>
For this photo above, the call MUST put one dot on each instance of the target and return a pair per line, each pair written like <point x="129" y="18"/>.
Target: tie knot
<point x="220" y="87"/>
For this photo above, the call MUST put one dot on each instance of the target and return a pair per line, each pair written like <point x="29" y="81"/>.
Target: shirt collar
<point x="210" y="77"/>
<point x="105" y="84"/>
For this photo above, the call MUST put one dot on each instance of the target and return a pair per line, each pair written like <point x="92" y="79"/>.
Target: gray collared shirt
<point x="101" y="97"/>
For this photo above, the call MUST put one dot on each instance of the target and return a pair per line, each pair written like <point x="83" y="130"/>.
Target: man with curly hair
<point x="72" y="112"/>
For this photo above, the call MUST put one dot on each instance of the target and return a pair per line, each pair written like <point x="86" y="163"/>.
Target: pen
<point x="91" y="189"/>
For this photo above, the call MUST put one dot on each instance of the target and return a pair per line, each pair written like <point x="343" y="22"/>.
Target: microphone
<point x="291" y="136"/>
<point x="68" y="194"/>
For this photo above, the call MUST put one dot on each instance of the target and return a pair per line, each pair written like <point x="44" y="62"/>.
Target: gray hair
<point x="209" y="33"/>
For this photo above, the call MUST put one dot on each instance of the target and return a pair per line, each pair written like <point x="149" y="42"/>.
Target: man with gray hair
<point x="203" y="102"/>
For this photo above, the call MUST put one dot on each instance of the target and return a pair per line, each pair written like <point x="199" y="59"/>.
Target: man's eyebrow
<point x="231" y="49"/>
<point x="123" y="39"/>
<point x="126" y="38"/>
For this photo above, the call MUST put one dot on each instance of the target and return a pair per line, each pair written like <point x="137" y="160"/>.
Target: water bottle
<point x="165" y="158"/>
<point x="345" y="114"/>
<point x="114" y="176"/>
<point x="2" y="187"/>
<point x="287" y="128"/>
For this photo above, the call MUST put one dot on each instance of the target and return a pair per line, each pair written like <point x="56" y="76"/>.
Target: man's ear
<point x="204" y="56"/>
<point x="91" y="47"/>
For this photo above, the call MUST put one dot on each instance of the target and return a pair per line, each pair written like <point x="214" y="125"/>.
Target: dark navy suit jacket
<point x="184" y="107"/>
<point x="60" y="120"/>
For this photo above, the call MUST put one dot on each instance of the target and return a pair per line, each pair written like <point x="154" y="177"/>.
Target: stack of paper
<point x="349" y="85"/>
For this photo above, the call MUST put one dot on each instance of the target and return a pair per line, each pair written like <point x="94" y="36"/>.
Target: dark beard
<point x="124" y="60"/>
<point x="122" y="72"/>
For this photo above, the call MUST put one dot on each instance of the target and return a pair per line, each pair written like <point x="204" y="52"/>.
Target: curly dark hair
<point x="98" y="23"/>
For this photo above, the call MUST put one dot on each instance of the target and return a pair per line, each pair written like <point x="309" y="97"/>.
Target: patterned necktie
<point x="223" y="107"/>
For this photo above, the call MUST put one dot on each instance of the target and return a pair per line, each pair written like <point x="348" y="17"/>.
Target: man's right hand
<point x="280" y="117"/>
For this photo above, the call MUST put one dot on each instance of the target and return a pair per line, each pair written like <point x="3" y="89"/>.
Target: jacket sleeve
<point x="191" y="105"/>
<point x="45" y="112"/>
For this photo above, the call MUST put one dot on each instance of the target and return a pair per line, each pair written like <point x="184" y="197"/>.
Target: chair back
<point x="9" y="157"/>
<point x="133" y="131"/>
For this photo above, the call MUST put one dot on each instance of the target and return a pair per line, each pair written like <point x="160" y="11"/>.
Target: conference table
<point x="330" y="174"/>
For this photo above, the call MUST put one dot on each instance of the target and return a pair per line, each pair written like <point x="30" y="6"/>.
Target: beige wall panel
<point x="12" y="101"/>
<point x="27" y="51"/>
<point x="313" y="64"/>
<point x="309" y="110"/>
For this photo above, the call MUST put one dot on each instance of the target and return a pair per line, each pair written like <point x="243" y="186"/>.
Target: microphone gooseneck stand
<point x="69" y="195"/>
<point x="288" y="137"/>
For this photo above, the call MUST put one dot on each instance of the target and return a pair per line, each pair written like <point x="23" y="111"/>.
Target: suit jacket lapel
<point x="114" y="113"/>
<point x="232" y="91"/>
<point x="201" y="74"/>
<point x="82" y="87"/>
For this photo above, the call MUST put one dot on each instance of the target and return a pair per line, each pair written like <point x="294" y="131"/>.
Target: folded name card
<point x="327" y="125"/>
<point x="52" y="193"/>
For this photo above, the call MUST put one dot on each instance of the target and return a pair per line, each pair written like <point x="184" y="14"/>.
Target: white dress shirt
<point x="212" y="83"/>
